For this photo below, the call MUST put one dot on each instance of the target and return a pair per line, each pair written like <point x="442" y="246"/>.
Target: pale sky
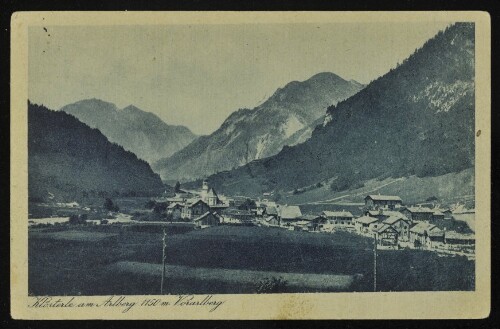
<point x="197" y="75"/>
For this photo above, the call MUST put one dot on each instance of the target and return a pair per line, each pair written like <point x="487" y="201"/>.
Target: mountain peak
<point x="356" y="83"/>
<point x="132" y="108"/>
<point x="141" y="132"/>
<point x="322" y="76"/>
<point x="96" y="102"/>
<point x="249" y="134"/>
<point x="325" y="78"/>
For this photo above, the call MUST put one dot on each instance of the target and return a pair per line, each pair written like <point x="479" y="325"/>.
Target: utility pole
<point x="375" y="262"/>
<point x="163" y="260"/>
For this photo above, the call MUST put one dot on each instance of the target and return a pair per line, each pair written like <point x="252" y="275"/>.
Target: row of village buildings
<point x="384" y="218"/>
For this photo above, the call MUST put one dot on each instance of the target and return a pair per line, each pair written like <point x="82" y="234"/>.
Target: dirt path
<point x="295" y="280"/>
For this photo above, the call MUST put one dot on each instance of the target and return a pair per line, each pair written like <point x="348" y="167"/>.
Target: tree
<point x="150" y="204"/>
<point x="110" y="206"/>
<point x="160" y="208"/>
<point x="248" y="205"/>
<point x="177" y="187"/>
<point x="77" y="219"/>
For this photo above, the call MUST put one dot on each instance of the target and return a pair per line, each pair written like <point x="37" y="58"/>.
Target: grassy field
<point x="449" y="188"/>
<point x="69" y="263"/>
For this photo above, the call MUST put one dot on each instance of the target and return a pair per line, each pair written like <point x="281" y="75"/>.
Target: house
<point x="261" y="205"/>
<point x="175" y="210"/>
<point x="401" y="224"/>
<point x="288" y="214"/>
<point x="301" y="225"/>
<point x="425" y="234"/>
<point x="318" y="223"/>
<point x="194" y="208"/>
<point x="365" y="224"/>
<point x="387" y="236"/>
<point x="454" y="238"/>
<point x="418" y="214"/>
<point x="436" y="238"/>
<point x="375" y="201"/>
<point x="237" y="201"/>
<point x="237" y="215"/>
<point x="271" y="211"/>
<point x="207" y="219"/>
<point x="339" y="217"/>
<point x="258" y="211"/>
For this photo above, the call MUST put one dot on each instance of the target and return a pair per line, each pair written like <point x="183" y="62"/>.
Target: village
<point x="386" y="218"/>
<point x="200" y="234"/>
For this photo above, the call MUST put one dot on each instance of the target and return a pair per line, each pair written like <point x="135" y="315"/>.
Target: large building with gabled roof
<point x="377" y="201"/>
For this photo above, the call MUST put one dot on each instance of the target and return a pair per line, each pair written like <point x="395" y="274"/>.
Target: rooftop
<point x="174" y="205"/>
<point x="420" y="210"/>
<point x="302" y="222"/>
<point x="211" y="193"/>
<point x="394" y="219"/>
<point x="192" y="202"/>
<point x="386" y="213"/>
<point x="337" y="213"/>
<point x="202" y="216"/>
<point x="309" y="217"/>
<point x="269" y="218"/>
<point x="238" y="212"/>
<point x="384" y="227"/>
<point x="423" y="227"/>
<point x="458" y="236"/>
<point x="366" y="220"/>
<point x="289" y="212"/>
<point x="271" y="211"/>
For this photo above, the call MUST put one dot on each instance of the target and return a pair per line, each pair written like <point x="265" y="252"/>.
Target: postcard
<point x="250" y="165"/>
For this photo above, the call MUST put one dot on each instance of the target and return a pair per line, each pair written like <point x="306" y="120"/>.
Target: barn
<point x="207" y="219"/>
<point x="377" y="201"/>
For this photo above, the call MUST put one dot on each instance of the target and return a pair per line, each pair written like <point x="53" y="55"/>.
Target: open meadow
<point x="126" y="259"/>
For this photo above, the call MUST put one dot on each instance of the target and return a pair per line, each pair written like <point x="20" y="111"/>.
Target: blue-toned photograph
<point x="251" y="158"/>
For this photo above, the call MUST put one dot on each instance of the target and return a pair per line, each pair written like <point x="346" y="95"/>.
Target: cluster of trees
<point x="249" y="204"/>
<point x="309" y="188"/>
<point x="78" y="219"/>
<point x="158" y="211"/>
<point x="109" y="205"/>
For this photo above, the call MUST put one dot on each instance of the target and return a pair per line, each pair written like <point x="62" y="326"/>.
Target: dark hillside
<point x="418" y="119"/>
<point x="69" y="159"/>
